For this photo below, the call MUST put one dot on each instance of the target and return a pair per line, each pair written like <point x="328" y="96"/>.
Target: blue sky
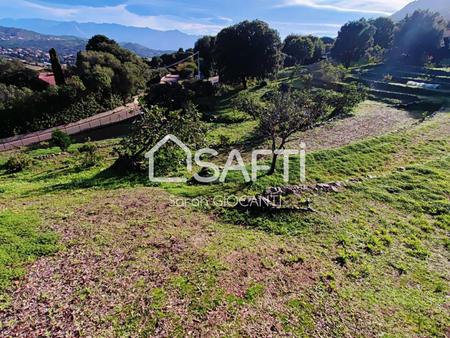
<point x="320" y="17"/>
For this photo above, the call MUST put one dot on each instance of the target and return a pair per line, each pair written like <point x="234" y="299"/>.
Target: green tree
<point x="107" y="66"/>
<point x="205" y="47"/>
<point x="250" y="49"/>
<point x="15" y="73"/>
<point x="172" y="97"/>
<point x="102" y="71"/>
<point x="288" y="113"/>
<point x="61" y="139"/>
<point x="153" y="125"/>
<point x="419" y="37"/>
<point x="299" y="48"/>
<point x="384" y="34"/>
<point x="56" y="67"/>
<point x="353" y="40"/>
<point x="319" y="49"/>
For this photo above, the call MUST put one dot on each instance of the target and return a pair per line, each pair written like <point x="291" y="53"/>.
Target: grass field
<point x="88" y="253"/>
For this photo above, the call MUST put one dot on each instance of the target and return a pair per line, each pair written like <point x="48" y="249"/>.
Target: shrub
<point x="200" y="88"/>
<point x="17" y="163"/>
<point x="88" y="147"/>
<point x="89" y="156"/>
<point x="248" y="104"/>
<point x="61" y="139"/>
<point x="152" y="126"/>
<point x="326" y="71"/>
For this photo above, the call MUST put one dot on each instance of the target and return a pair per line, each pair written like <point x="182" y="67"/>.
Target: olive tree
<point x="288" y="113"/>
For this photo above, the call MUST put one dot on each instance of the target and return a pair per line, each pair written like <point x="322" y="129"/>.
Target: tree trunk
<point x="273" y="164"/>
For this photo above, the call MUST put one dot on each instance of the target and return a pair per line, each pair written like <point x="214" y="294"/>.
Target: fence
<point x="103" y="119"/>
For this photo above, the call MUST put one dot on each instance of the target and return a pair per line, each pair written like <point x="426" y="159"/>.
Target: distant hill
<point x="142" y="50"/>
<point x="150" y="38"/>
<point x="441" y="6"/>
<point x="65" y="45"/>
<point x="21" y="38"/>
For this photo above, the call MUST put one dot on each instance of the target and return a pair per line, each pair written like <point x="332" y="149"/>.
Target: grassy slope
<point x="372" y="260"/>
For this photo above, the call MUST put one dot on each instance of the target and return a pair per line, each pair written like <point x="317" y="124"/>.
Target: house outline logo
<point x="150" y="155"/>
<point x="219" y="174"/>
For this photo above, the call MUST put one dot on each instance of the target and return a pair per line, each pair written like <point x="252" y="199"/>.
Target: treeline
<point x="104" y="77"/>
<point x="251" y="49"/>
<point x="416" y="40"/>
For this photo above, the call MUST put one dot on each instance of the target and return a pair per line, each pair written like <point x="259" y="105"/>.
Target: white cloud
<point x="119" y="15"/>
<point x="361" y="6"/>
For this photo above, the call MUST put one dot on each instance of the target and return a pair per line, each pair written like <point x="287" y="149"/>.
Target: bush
<point x="200" y="88"/>
<point x="61" y="139"/>
<point x="170" y="96"/>
<point x="17" y="163"/>
<point x="88" y="155"/>
<point x="152" y="126"/>
<point x="326" y="71"/>
<point x="88" y="147"/>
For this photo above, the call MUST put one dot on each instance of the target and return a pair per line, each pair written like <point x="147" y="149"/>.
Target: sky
<point x="319" y="17"/>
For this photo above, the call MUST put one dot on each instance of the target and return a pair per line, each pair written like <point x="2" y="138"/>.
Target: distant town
<point x="34" y="56"/>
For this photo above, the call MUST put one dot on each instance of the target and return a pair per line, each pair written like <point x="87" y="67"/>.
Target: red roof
<point x="48" y="78"/>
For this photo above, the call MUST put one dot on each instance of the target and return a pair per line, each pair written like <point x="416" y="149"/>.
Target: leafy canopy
<point x="250" y="49"/>
<point x="353" y="40"/>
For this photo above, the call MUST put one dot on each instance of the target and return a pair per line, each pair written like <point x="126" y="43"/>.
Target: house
<point x="214" y="80"/>
<point x="170" y="79"/>
<point x="48" y="78"/>
<point x="151" y="158"/>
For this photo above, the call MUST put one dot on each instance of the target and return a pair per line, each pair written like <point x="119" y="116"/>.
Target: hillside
<point x="36" y="45"/>
<point x="441" y="6"/>
<point x="131" y="261"/>
<point x="150" y="38"/>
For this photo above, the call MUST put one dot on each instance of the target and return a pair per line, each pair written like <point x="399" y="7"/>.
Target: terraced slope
<point x="390" y="83"/>
<point x="371" y="261"/>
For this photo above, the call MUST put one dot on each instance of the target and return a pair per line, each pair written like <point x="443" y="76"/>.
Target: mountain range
<point x="150" y="38"/>
<point x="441" y="6"/>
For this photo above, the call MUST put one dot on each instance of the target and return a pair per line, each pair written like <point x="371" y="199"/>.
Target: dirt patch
<point x="112" y="243"/>
<point x="371" y="119"/>
<point x="133" y="264"/>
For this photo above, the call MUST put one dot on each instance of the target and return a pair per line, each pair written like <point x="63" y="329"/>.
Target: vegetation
<point x="359" y="249"/>
<point x="56" y="68"/>
<point x="363" y="247"/>
<point x="288" y="113"/>
<point x="151" y="127"/>
<point x="17" y="163"/>
<point x="61" y="139"/>
<point x="354" y="39"/>
<point x="22" y="240"/>
<point x="428" y="31"/>
<point x="238" y="47"/>
<point x="301" y="50"/>
<point x="205" y="47"/>
<point x="105" y="77"/>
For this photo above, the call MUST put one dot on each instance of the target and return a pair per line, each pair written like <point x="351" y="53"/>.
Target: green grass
<point x="21" y="242"/>
<point x="373" y="259"/>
